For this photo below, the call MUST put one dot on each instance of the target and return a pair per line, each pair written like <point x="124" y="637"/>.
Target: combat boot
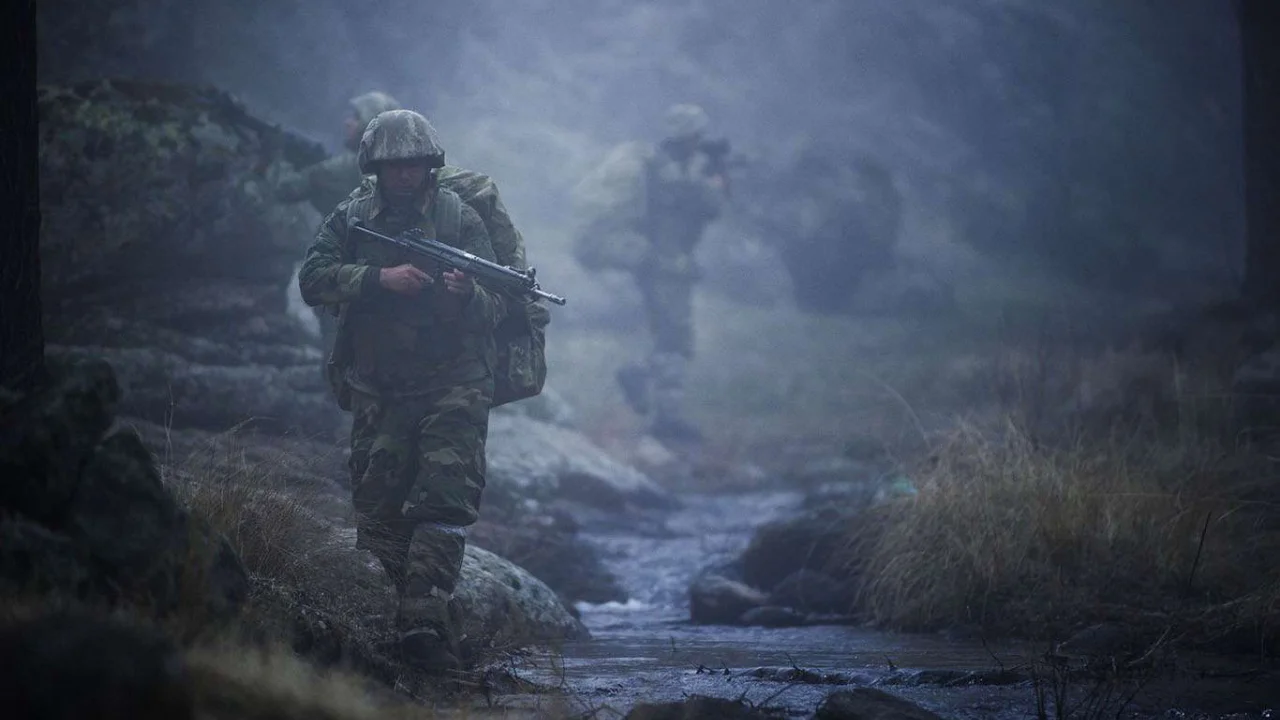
<point x="431" y="650"/>
<point x="428" y="618"/>
<point x="428" y="636"/>
<point x="669" y="424"/>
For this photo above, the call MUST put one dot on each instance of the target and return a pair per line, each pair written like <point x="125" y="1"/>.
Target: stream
<point x="646" y="650"/>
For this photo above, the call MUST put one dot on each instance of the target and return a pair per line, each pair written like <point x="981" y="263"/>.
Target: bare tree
<point x="21" y="327"/>
<point x="1259" y="28"/>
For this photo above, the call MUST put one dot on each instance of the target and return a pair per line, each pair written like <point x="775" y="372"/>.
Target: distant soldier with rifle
<point x="327" y="183"/>
<point x="417" y="363"/>
<point x="644" y="211"/>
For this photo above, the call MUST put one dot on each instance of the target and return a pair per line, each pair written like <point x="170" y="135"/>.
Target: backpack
<point x="521" y="338"/>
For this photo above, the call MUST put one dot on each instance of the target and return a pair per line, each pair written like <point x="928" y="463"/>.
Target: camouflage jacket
<point x="401" y="345"/>
<point x="324" y="184"/>
<point x="644" y="211"/>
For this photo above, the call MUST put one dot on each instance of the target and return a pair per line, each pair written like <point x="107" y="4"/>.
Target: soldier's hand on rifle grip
<point x="459" y="283"/>
<point x="404" y="279"/>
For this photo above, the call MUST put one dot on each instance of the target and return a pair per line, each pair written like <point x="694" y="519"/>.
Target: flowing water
<point x="646" y="650"/>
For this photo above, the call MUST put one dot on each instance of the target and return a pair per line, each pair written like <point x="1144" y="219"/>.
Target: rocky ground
<point x="189" y="418"/>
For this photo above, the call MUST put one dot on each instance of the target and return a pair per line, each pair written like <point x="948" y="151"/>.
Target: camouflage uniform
<point x="419" y="374"/>
<point x="645" y="213"/>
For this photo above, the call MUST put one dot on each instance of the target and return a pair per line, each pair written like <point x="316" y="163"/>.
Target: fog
<point x="1086" y="145"/>
<point x="966" y="365"/>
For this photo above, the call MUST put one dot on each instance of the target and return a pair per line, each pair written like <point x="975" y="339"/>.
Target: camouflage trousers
<point x="417" y="475"/>
<point x="655" y="387"/>
<point x="668" y="303"/>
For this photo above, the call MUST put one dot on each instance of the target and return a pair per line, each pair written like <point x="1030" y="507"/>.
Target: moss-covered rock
<point x="83" y="512"/>
<point x="163" y="251"/>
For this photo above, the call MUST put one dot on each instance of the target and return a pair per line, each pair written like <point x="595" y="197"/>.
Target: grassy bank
<point x="1149" y="509"/>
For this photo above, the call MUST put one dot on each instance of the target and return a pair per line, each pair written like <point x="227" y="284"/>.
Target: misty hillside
<point x="982" y="110"/>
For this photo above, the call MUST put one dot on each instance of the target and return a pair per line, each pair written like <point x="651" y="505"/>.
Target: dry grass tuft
<point x="271" y="526"/>
<point x="230" y="681"/>
<point x="1023" y="535"/>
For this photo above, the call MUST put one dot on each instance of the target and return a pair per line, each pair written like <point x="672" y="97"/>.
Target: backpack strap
<point x="357" y="209"/>
<point x="448" y="217"/>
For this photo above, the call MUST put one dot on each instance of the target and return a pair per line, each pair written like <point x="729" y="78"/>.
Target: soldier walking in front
<point x="413" y="363"/>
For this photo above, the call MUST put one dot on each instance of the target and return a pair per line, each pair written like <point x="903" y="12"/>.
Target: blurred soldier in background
<point x="834" y="218"/>
<point x="644" y="211"/>
<point x="328" y="183"/>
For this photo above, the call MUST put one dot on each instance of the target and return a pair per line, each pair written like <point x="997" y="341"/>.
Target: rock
<point x="85" y="514"/>
<point x="700" y="706"/>
<point x="41" y="456"/>
<point x="811" y="541"/>
<point x="870" y="704"/>
<point x="718" y="600"/>
<point x="808" y="677"/>
<point x="953" y="678"/>
<point x="139" y="178"/>
<point x="75" y="664"/>
<point x="554" y="554"/>
<point x="810" y="591"/>
<point x="36" y="559"/>
<point x="773" y="616"/>
<point x="531" y="460"/>
<point x="505" y="606"/>
<point x="158" y="384"/>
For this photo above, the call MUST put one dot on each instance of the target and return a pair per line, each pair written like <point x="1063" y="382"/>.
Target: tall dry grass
<point x="1152" y="505"/>
<point x="258" y="503"/>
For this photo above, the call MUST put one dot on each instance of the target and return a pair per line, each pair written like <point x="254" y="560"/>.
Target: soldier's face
<point x="402" y="179"/>
<point x="351" y="131"/>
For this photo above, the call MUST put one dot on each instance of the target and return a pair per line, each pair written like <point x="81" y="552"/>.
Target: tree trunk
<point x="1259" y="31"/>
<point x="21" y="329"/>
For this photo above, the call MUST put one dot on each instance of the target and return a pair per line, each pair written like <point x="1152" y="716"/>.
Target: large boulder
<point x="870" y="704"/>
<point x="715" y="598"/>
<point x="506" y="606"/>
<point x="549" y="547"/>
<point x="535" y="462"/>
<point x="83" y="512"/>
<point x="163" y="251"/>
<point x="703" y="706"/>
<point x="811" y="542"/>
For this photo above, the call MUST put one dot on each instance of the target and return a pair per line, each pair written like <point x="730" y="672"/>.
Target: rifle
<point x="720" y="159"/>
<point x="517" y="282"/>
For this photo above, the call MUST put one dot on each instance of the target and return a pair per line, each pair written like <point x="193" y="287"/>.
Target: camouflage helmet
<point x="399" y="135"/>
<point x="367" y="106"/>
<point x="685" y="121"/>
